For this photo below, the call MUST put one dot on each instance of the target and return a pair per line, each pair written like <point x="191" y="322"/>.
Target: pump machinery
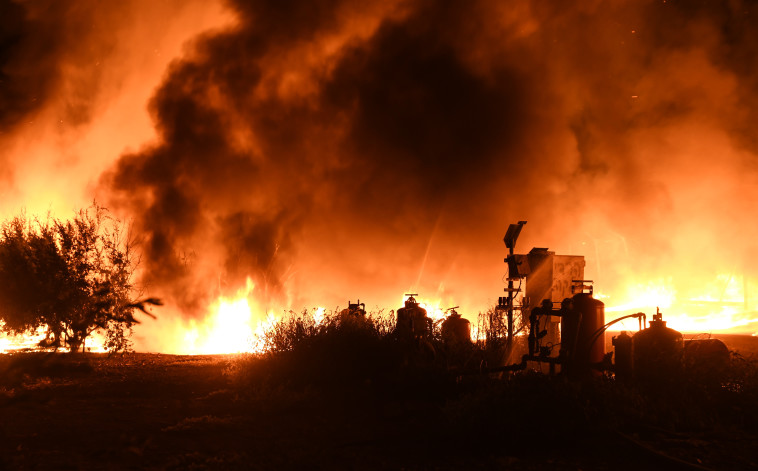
<point x="566" y="325"/>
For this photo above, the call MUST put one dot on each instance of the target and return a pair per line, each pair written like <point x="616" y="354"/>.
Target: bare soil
<point x="151" y="411"/>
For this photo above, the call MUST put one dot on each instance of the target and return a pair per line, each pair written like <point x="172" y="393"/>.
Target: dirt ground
<point x="150" y="411"/>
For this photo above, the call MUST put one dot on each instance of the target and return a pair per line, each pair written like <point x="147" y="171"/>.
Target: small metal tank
<point x="657" y="351"/>
<point x="412" y="320"/>
<point x="456" y="330"/>
<point x="706" y="359"/>
<point x="570" y="319"/>
<point x="593" y="319"/>
<point x="623" y="366"/>
<point x="589" y="347"/>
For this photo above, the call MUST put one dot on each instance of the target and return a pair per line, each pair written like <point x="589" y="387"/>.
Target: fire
<point x="228" y="330"/>
<point x="10" y="343"/>
<point x="644" y="296"/>
<point x="13" y="343"/>
<point x="433" y="309"/>
<point x="434" y="312"/>
<point x="318" y="315"/>
<point x="723" y="307"/>
<point x="234" y="325"/>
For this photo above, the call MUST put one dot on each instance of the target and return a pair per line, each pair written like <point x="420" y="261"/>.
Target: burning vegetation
<point x="272" y="154"/>
<point x="380" y="146"/>
<point x="434" y="376"/>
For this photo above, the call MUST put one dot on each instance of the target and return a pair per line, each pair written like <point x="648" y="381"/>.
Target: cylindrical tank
<point x="706" y="359"/>
<point x="593" y="319"/>
<point x="657" y="352"/>
<point x="589" y="347"/>
<point x="622" y="345"/>
<point x="412" y="321"/>
<point x="570" y="319"/>
<point x="456" y="330"/>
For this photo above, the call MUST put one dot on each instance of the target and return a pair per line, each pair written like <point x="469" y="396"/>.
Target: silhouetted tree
<point x="69" y="277"/>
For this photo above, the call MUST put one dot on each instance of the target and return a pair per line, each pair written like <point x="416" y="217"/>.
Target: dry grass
<point x="342" y="354"/>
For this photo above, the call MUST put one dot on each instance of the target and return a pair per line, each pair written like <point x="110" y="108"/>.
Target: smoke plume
<point x="333" y="150"/>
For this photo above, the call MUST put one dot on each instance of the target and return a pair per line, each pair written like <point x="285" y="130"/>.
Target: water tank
<point x="412" y="321"/>
<point x="456" y="331"/>
<point x="706" y="360"/>
<point x="622" y="361"/>
<point x="590" y="344"/>
<point x="657" y="352"/>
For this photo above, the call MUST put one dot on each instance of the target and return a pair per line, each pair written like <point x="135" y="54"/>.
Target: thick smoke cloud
<point x="49" y="73"/>
<point x="393" y="128"/>
<point x="319" y="148"/>
<point x="37" y="41"/>
<point x="74" y="80"/>
<point x="19" y="92"/>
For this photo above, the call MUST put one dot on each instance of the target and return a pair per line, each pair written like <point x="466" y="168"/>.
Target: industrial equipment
<point x="357" y="309"/>
<point x="551" y="279"/>
<point x="412" y="320"/>
<point x="657" y="354"/>
<point x="652" y="355"/>
<point x="456" y="330"/>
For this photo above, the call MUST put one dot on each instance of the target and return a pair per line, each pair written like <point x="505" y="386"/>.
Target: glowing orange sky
<point x="336" y="151"/>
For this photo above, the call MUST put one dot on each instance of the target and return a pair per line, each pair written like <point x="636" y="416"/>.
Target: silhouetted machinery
<point x="456" y="330"/>
<point x="575" y="327"/>
<point x="650" y="355"/>
<point x="412" y="320"/>
<point x="657" y="354"/>
<point x="581" y="346"/>
<point x="357" y="309"/>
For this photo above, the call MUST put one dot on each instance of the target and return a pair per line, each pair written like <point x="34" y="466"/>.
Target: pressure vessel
<point x="657" y="352"/>
<point x="412" y="321"/>
<point x="706" y="359"/>
<point x="622" y="360"/>
<point x="456" y="330"/>
<point x="589" y="339"/>
<point x="589" y="347"/>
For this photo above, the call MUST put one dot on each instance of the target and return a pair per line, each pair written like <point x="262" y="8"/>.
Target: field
<point x="151" y="411"/>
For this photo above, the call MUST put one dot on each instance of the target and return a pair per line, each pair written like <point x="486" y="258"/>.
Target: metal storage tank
<point x="456" y="330"/>
<point x="590" y="339"/>
<point x="412" y="320"/>
<point x="657" y="351"/>
<point x="706" y="359"/>
<point x="622" y="344"/>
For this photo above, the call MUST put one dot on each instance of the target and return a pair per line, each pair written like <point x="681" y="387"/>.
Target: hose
<point x="598" y="332"/>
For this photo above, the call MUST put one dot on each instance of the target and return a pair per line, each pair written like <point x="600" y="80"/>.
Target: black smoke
<point x="358" y="146"/>
<point x="50" y="52"/>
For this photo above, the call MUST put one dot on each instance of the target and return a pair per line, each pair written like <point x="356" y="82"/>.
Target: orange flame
<point x="14" y="343"/>
<point x="723" y="307"/>
<point x="234" y="325"/>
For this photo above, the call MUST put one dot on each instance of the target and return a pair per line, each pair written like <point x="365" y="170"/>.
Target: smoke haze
<point x="331" y="151"/>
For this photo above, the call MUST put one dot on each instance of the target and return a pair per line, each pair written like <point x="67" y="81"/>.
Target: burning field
<point x="178" y="178"/>
<point x="277" y="156"/>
